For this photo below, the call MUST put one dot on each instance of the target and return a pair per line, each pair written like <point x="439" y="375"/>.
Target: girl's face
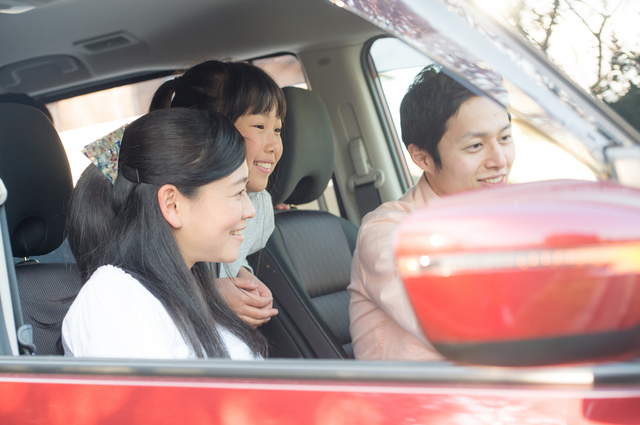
<point x="213" y="220"/>
<point x="261" y="133"/>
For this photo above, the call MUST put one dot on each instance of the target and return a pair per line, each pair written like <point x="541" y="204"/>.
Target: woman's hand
<point x="248" y="297"/>
<point x="281" y="207"/>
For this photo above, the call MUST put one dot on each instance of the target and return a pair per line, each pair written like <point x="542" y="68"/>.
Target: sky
<point x="572" y="46"/>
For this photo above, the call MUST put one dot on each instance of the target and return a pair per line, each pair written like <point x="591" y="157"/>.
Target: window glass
<point x="595" y="42"/>
<point x="83" y="119"/>
<point x="538" y="158"/>
<point x="285" y="69"/>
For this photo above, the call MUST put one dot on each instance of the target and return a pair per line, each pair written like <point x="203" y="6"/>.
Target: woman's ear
<point x="421" y="158"/>
<point x="169" y="200"/>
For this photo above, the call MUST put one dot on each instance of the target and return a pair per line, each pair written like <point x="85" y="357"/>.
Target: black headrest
<point x="306" y="165"/>
<point x="35" y="170"/>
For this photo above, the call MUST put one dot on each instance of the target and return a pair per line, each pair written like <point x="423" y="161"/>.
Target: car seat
<point x="307" y="261"/>
<point x="35" y="170"/>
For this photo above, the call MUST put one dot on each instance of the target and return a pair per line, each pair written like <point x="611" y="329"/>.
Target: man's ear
<point x="421" y="158"/>
<point x="169" y="199"/>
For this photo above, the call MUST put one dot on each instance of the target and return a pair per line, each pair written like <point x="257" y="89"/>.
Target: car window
<point x="286" y="69"/>
<point x="538" y="158"/>
<point x="594" y="42"/>
<point x="83" y="119"/>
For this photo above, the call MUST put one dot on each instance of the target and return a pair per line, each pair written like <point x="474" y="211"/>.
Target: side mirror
<point x="532" y="274"/>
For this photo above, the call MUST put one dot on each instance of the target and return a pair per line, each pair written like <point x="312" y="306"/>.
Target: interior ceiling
<point x="170" y="34"/>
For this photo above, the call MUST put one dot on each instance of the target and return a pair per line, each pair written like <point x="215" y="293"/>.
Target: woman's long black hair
<point x="122" y="224"/>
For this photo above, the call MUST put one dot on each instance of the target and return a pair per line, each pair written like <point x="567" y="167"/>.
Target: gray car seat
<point x="35" y="170"/>
<point x="307" y="261"/>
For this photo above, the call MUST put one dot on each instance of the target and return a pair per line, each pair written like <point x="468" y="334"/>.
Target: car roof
<point x="90" y="41"/>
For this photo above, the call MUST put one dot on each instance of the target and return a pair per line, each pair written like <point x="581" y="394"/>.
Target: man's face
<point x="476" y="150"/>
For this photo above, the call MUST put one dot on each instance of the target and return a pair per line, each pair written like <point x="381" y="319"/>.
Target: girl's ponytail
<point x="90" y="220"/>
<point x="163" y="96"/>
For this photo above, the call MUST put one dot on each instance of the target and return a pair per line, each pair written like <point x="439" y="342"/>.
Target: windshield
<point x="484" y="54"/>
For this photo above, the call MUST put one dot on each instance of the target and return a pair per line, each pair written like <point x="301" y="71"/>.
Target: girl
<point x="178" y="204"/>
<point x="252" y="100"/>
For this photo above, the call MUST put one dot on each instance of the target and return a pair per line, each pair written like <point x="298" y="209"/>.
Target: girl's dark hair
<point x="232" y="89"/>
<point x="122" y="224"/>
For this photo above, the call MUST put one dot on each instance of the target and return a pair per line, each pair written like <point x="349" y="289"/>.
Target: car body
<point x="66" y="48"/>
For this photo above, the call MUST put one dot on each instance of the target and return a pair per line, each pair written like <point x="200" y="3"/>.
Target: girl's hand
<point x="248" y="297"/>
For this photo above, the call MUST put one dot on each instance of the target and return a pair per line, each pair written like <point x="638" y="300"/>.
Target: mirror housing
<point x="530" y="274"/>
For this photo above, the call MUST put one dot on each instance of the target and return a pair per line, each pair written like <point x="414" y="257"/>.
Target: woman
<point x="177" y="205"/>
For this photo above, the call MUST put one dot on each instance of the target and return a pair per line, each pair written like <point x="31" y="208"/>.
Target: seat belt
<point x="367" y="197"/>
<point x="366" y="181"/>
<point x="291" y="296"/>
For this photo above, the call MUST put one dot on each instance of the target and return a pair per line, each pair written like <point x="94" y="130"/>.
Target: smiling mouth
<point x="266" y="165"/>
<point x="493" y="180"/>
<point x="237" y="232"/>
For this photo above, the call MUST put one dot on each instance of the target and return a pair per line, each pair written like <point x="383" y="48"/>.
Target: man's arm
<point x="379" y="274"/>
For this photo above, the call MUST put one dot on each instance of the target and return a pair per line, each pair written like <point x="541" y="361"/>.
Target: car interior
<point x="311" y="249"/>
<point x="35" y="164"/>
<point x="308" y="280"/>
<point x="307" y="261"/>
<point x="342" y="153"/>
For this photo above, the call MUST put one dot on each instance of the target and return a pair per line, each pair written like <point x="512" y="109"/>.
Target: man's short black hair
<point x="431" y="100"/>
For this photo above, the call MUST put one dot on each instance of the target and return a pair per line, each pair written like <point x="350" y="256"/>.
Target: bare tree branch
<point x="586" y="24"/>
<point x="618" y="64"/>
<point x="595" y="87"/>
<point x="554" y="15"/>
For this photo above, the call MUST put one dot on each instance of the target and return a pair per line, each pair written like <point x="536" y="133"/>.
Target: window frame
<point x="384" y="114"/>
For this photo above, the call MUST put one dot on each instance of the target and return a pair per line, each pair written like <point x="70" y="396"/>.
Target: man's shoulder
<point x="377" y="228"/>
<point x="392" y="211"/>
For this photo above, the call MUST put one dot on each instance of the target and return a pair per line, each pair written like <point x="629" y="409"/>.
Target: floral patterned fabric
<point x="104" y="152"/>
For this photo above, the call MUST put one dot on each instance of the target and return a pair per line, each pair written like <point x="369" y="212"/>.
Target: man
<point x="460" y="141"/>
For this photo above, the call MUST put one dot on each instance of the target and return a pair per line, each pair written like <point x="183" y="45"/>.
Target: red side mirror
<point x="531" y="274"/>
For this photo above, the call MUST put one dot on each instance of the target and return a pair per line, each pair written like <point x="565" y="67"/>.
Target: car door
<point x="65" y="390"/>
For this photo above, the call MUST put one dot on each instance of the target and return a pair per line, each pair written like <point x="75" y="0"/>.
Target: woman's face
<point x="261" y="133"/>
<point x="213" y="220"/>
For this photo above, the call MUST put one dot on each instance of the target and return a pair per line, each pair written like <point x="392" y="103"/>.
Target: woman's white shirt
<point x="115" y="316"/>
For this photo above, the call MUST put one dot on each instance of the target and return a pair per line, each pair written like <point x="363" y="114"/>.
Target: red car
<point x="532" y="291"/>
